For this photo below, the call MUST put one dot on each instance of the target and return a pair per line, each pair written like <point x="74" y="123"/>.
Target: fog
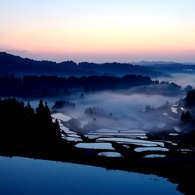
<point x="128" y="111"/>
<point x="119" y="104"/>
<point x="116" y="103"/>
<point x="181" y="79"/>
<point x="132" y="120"/>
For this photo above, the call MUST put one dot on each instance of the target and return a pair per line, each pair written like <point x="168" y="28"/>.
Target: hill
<point x="23" y="66"/>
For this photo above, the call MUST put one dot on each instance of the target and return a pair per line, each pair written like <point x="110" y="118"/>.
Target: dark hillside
<point x="23" y="66"/>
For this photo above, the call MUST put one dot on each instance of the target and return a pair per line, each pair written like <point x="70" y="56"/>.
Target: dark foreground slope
<point x="32" y="133"/>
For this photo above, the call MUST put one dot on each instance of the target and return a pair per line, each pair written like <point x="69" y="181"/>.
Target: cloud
<point x="16" y="51"/>
<point x="23" y="53"/>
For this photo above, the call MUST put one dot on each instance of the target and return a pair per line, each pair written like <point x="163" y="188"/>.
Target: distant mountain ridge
<point x="22" y="66"/>
<point x="151" y="63"/>
<point x="169" y="67"/>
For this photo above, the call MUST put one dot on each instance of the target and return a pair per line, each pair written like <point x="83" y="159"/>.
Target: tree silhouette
<point x="21" y="124"/>
<point x="185" y="116"/>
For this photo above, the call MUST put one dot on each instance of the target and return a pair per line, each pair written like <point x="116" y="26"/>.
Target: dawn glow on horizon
<point x="99" y="31"/>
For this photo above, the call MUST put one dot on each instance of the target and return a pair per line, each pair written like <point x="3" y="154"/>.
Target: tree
<point x="57" y="128"/>
<point x="185" y="116"/>
<point x="21" y="125"/>
<point x="148" y="108"/>
<point x="188" y="116"/>
<point x="188" y="88"/>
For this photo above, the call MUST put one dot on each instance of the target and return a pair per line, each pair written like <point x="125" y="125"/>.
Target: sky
<point x="99" y="30"/>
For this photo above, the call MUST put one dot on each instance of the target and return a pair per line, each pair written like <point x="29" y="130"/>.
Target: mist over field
<point x="127" y="111"/>
<point x="117" y="103"/>
<point x="120" y="104"/>
<point x="181" y="79"/>
<point x="127" y="108"/>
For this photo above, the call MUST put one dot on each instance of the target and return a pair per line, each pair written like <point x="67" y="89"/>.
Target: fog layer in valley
<point x="181" y="79"/>
<point x="122" y="109"/>
<point x="119" y="111"/>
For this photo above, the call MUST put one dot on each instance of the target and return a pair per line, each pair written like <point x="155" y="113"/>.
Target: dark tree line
<point x="22" y="125"/>
<point x="63" y="104"/>
<point x="97" y="112"/>
<point x="44" y="86"/>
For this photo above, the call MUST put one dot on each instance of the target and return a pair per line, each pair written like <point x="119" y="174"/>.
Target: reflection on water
<point x="174" y="110"/>
<point x="161" y="125"/>
<point x="109" y="154"/>
<point x="75" y="139"/>
<point x="155" y="156"/>
<point x="135" y="141"/>
<point x="66" y="130"/>
<point x="173" y="134"/>
<point x="177" y="129"/>
<point x="141" y="149"/>
<point x="61" y="116"/>
<point x="107" y="146"/>
<point x="27" y="176"/>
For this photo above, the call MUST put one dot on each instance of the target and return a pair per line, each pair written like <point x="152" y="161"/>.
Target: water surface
<point x="28" y="176"/>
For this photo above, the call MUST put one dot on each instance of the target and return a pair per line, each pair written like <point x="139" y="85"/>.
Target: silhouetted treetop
<point x="185" y="116"/>
<point x="63" y="104"/>
<point x="96" y="111"/>
<point x="23" y="125"/>
<point x="190" y="98"/>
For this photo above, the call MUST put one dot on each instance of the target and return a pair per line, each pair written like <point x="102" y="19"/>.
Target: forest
<point x="45" y="86"/>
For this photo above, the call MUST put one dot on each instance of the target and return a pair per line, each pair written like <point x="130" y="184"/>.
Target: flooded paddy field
<point x="137" y="140"/>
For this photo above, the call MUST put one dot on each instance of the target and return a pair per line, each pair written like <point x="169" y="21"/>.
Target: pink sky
<point x="102" y="31"/>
